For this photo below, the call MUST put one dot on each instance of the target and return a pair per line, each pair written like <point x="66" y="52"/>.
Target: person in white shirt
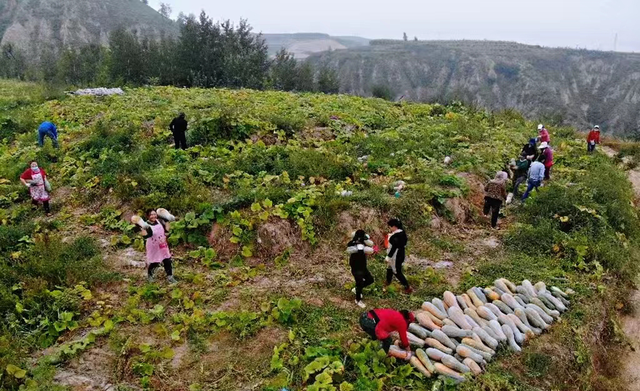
<point x="536" y="176"/>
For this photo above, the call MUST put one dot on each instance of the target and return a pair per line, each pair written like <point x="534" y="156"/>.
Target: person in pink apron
<point x="157" y="248"/>
<point x="34" y="178"/>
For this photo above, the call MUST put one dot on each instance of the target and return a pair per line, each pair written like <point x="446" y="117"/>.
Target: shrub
<point x="382" y="91"/>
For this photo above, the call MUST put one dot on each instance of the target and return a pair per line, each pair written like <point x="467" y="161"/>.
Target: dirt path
<point x="631" y="322"/>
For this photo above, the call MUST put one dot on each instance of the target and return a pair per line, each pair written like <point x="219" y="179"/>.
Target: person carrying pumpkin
<point x="397" y="241"/>
<point x="155" y="236"/>
<point x="380" y="323"/>
<point x="35" y="178"/>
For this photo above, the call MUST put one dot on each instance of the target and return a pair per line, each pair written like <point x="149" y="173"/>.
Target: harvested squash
<point x="496" y="311"/>
<point x="529" y="287"/>
<point x="511" y="338"/>
<point x="432" y="309"/>
<point x="535" y="318"/>
<point x="435" y="354"/>
<point x="434" y="343"/>
<point x="456" y="332"/>
<point x="485" y="337"/>
<point x="553" y="313"/>
<point x="461" y="303"/>
<point x="439" y="304"/>
<point x="556" y="303"/>
<point x="501" y="285"/>
<point x="485" y="356"/>
<point x="510" y="301"/>
<point x="415" y="340"/>
<point x="425" y="321"/>
<point x="474" y="298"/>
<point x="540" y="286"/>
<point x="474" y="315"/>
<point x="465" y="352"/>
<point x="448" y="372"/>
<point x="545" y="317"/>
<point x="396" y="352"/>
<point x="424" y="359"/>
<point x="419" y="331"/>
<point x="435" y="319"/>
<point x="468" y="301"/>
<point x="417" y="364"/>
<point x="478" y="345"/>
<point x="450" y="299"/>
<point x="456" y="315"/>
<point x="509" y="284"/>
<point x="471" y="322"/>
<point x="486" y="313"/>
<point x="559" y="291"/>
<point x="491" y="294"/>
<point x="473" y="366"/>
<point x="480" y="294"/>
<point x="454" y="364"/>
<point x="497" y="329"/>
<point x="443" y="338"/>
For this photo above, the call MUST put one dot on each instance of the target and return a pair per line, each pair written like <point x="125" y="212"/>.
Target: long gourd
<point x="424" y="359"/>
<point x="523" y="318"/>
<point x="449" y="322"/>
<point x="456" y="315"/>
<point x="448" y="372"/>
<point x="468" y="353"/>
<point x="454" y="364"/>
<point x="456" y="332"/>
<point x="501" y="285"/>
<point x="509" y="284"/>
<point x="443" y="338"/>
<point x="535" y="318"/>
<point x="540" y="286"/>
<point x="471" y="322"/>
<point x="557" y="303"/>
<point x="511" y="338"/>
<point x="425" y="321"/>
<point x="553" y="313"/>
<point x="559" y="291"/>
<point x="478" y="345"/>
<point x="461" y="303"/>
<point x="419" y="331"/>
<point x="491" y="294"/>
<point x="435" y="319"/>
<point x="504" y="320"/>
<point x="480" y="294"/>
<point x="486" y="313"/>
<point x="434" y="343"/>
<point x="439" y="304"/>
<point x="545" y="317"/>
<point x="497" y="329"/>
<point x="417" y="364"/>
<point x="485" y="356"/>
<point x="450" y="299"/>
<point x="502" y="306"/>
<point x="396" y="352"/>
<point x="528" y="333"/>
<point x="474" y="315"/>
<point x="474" y="298"/>
<point x="487" y="329"/>
<point x="510" y="301"/>
<point x="520" y="301"/>
<point x="435" y="354"/>
<point x="429" y="307"/>
<point x="468" y="301"/>
<point x="415" y="340"/>
<point x="493" y="308"/>
<point x="485" y="337"/>
<point x="529" y="287"/>
<point x="523" y="298"/>
<point x="473" y="366"/>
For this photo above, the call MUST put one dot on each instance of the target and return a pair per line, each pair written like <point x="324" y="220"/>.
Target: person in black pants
<point x="358" y="248"/>
<point x="495" y="196"/>
<point x="396" y="254"/>
<point x="179" y="128"/>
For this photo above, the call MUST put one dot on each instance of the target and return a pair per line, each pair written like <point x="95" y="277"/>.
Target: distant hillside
<point x="29" y="24"/>
<point x="303" y="45"/>
<point x="577" y="87"/>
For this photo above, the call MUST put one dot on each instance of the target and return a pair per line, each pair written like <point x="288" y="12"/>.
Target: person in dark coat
<point x="358" y="248"/>
<point x="396" y="255"/>
<point x="179" y="128"/>
<point x="530" y="150"/>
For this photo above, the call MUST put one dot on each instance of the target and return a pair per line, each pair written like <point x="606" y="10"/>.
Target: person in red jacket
<point x="543" y="134"/>
<point x="35" y="179"/>
<point x="380" y="323"/>
<point x="546" y="158"/>
<point x="593" y="138"/>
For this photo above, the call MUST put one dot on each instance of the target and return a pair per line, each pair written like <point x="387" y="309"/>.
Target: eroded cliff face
<point x="32" y="25"/>
<point x="579" y="87"/>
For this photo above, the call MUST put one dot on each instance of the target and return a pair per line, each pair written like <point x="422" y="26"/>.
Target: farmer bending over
<point x="380" y="323"/>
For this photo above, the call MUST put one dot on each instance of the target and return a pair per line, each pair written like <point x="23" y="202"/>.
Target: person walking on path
<point x="157" y="248"/>
<point x="35" y="178"/>
<point x="380" y="323"/>
<point x="593" y="138"/>
<point x="543" y="134"/>
<point x="530" y="150"/>
<point x="536" y="175"/>
<point x="520" y="173"/>
<point x="48" y="129"/>
<point x="179" y="128"/>
<point x="358" y="248"/>
<point x="396" y="255"/>
<point x="546" y="158"/>
<point x="495" y="196"/>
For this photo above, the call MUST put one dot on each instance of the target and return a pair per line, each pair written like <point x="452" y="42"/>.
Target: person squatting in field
<point x="396" y="255"/>
<point x="35" y="178"/>
<point x="156" y="245"/>
<point x="380" y="323"/>
<point x="358" y="248"/>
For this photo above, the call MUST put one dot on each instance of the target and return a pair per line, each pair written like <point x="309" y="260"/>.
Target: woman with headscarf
<point x="495" y="196"/>
<point x="35" y="178"/>
<point x="156" y="245"/>
<point x="395" y="255"/>
<point x="358" y="248"/>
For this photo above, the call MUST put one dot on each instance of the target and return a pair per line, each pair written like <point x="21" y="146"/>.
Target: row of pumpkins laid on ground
<point x="460" y="334"/>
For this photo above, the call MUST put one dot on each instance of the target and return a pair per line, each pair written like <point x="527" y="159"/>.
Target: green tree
<point x="382" y="91"/>
<point x="328" y="82"/>
<point x="284" y="71"/>
<point x="165" y="10"/>
<point x="126" y="60"/>
<point x="304" y="77"/>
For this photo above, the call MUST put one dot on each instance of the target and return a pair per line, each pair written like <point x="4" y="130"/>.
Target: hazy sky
<point x="589" y="24"/>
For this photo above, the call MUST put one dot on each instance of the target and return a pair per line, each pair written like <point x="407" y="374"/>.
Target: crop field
<point x="263" y="300"/>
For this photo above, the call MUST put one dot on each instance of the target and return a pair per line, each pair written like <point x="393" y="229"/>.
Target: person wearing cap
<point x="546" y="158"/>
<point x="593" y="138"/>
<point x="380" y="323"/>
<point x="536" y="175"/>
<point x="495" y="196"/>
<point x="358" y="249"/>
<point x="543" y="134"/>
<point x="179" y="128"/>
<point x="530" y="150"/>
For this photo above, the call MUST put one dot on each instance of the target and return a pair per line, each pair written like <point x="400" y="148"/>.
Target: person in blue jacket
<point x="48" y="129"/>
